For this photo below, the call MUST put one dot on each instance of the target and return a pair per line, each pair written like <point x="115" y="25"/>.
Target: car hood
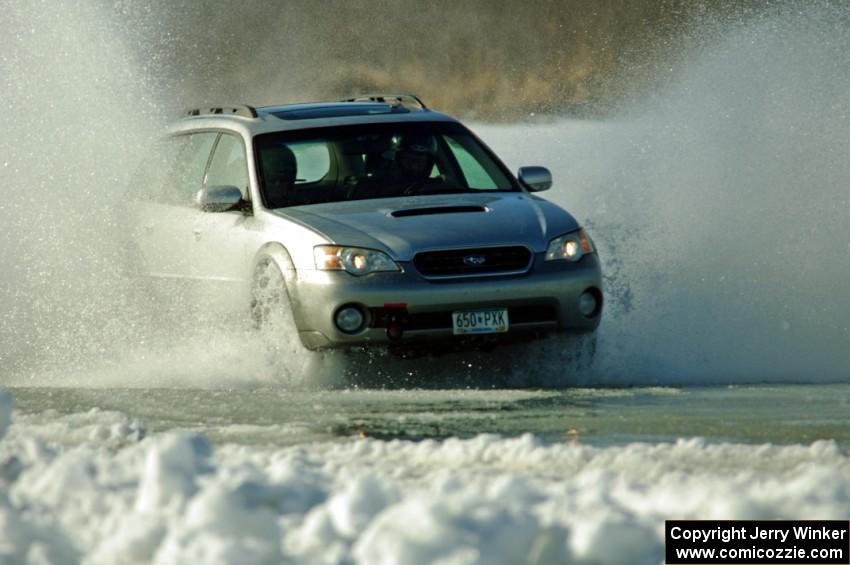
<point x="404" y="226"/>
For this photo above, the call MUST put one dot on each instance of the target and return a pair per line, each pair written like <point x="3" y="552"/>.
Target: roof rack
<point x="243" y="110"/>
<point x="394" y="99"/>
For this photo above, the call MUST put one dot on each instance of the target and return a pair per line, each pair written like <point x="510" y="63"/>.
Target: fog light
<point x="587" y="304"/>
<point x="349" y="319"/>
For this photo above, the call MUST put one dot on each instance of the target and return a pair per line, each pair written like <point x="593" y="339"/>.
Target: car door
<point x="222" y="240"/>
<point x="167" y="215"/>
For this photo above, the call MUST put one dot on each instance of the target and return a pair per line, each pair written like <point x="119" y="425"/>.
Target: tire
<point x="270" y="306"/>
<point x="271" y="312"/>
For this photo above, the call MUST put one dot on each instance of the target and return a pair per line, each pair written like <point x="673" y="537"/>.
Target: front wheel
<point x="270" y="307"/>
<point x="271" y="312"/>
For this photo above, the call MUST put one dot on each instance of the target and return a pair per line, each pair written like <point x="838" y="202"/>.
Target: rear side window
<point x="229" y="166"/>
<point x="153" y="175"/>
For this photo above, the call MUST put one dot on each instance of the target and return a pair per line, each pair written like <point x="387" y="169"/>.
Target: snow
<point x="77" y="492"/>
<point x="108" y="428"/>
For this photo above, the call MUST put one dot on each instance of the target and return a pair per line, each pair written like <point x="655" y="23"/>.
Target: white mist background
<point x="74" y="111"/>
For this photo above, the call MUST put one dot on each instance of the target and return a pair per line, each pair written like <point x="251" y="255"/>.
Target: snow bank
<point x="104" y="427"/>
<point x="173" y="498"/>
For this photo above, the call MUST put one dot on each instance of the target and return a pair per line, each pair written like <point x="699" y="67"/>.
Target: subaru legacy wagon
<point x="371" y="220"/>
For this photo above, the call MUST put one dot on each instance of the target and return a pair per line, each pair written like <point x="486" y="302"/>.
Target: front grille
<point x="472" y="262"/>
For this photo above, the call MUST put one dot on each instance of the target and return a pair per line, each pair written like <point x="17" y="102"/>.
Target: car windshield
<point x="374" y="161"/>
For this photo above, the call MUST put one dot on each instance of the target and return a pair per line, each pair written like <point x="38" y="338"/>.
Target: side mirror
<point x="218" y="198"/>
<point x="535" y="179"/>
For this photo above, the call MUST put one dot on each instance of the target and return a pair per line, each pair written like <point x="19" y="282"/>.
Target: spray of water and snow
<point x="719" y="209"/>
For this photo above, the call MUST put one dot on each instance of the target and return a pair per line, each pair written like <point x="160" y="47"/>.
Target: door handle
<point x="197" y="233"/>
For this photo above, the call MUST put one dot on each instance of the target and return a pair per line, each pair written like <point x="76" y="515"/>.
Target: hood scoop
<point x="433" y="210"/>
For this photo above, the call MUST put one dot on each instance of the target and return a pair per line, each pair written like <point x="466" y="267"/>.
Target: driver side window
<point x="229" y="166"/>
<point x="193" y="152"/>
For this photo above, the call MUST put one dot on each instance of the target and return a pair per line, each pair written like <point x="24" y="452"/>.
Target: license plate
<point x="480" y="321"/>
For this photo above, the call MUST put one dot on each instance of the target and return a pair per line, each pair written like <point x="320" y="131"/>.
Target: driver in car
<point x="414" y="162"/>
<point x="409" y="169"/>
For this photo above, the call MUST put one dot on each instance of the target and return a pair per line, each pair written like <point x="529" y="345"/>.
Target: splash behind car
<point x="368" y="221"/>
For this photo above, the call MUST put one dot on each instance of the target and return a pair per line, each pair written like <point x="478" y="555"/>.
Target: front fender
<point x="276" y="252"/>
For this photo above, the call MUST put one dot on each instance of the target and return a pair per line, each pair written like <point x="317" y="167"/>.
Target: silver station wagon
<point x="367" y="221"/>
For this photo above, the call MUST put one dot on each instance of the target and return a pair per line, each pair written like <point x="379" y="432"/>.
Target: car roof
<point x="285" y="117"/>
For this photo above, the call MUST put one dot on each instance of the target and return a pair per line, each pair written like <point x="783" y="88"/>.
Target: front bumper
<point x="544" y="299"/>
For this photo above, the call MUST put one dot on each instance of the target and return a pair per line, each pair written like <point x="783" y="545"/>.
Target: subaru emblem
<point x="474" y="260"/>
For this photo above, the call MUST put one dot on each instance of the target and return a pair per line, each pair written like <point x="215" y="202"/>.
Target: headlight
<point x="572" y="247"/>
<point x="352" y="260"/>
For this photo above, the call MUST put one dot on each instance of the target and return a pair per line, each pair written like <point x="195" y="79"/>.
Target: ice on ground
<point x="173" y="497"/>
<point x="5" y="411"/>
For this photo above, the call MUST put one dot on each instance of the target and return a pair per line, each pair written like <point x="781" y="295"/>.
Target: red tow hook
<point x="396" y="320"/>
